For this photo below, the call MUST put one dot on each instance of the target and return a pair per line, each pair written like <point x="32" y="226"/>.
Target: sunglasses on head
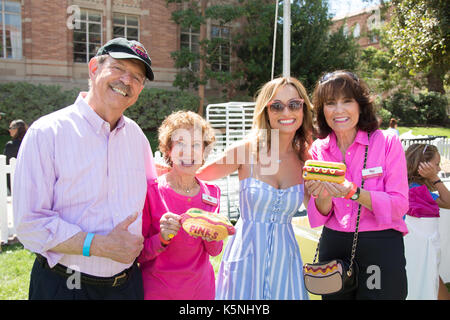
<point x="328" y="76"/>
<point x="278" y="106"/>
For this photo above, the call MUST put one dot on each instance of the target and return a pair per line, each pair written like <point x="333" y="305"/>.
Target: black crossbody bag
<point x="337" y="275"/>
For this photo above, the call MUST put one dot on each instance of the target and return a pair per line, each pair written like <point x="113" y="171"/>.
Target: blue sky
<point x="342" y="7"/>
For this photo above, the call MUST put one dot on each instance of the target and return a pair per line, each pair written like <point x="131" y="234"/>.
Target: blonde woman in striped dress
<point x="262" y="260"/>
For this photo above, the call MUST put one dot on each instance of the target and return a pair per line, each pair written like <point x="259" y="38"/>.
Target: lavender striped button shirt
<point x="73" y="174"/>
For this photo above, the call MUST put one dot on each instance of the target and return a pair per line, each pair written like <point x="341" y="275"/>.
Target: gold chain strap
<point x="355" y="235"/>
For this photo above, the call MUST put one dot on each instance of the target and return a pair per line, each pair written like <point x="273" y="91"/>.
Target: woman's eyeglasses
<point x="278" y="106"/>
<point x="328" y="76"/>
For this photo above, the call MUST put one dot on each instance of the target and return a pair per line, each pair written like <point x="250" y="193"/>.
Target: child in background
<point x="175" y="265"/>
<point x="422" y="248"/>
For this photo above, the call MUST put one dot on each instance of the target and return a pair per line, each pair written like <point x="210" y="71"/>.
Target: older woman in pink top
<point x="347" y="124"/>
<point x="175" y="265"/>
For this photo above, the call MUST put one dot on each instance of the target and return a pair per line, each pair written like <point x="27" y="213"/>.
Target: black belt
<point x="114" y="281"/>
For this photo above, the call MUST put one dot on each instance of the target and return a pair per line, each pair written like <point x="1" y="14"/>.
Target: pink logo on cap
<point x="139" y="50"/>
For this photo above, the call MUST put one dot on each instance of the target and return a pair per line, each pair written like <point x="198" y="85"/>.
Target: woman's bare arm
<point x="227" y="163"/>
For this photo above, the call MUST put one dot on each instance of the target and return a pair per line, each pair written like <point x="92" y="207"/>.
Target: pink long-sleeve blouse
<point x="388" y="191"/>
<point x="181" y="270"/>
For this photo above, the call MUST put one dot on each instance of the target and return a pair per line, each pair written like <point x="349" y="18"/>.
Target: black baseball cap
<point x="122" y="48"/>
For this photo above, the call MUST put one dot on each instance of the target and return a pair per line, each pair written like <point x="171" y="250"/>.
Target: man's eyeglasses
<point x="12" y="127"/>
<point x="278" y="106"/>
<point x="329" y="75"/>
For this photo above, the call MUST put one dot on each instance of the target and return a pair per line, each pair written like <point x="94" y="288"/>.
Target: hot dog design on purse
<point x="201" y="223"/>
<point x="332" y="271"/>
<point x="324" y="171"/>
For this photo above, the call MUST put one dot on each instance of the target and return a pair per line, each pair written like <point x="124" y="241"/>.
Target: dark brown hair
<point x="343" y="83"/>
<point x="21" y="127"/>
<point x="392" y="123"/>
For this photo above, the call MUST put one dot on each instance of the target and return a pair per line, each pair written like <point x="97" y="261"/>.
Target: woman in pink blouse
<point x="346" y="124"/>
<point x="175" y="265"/>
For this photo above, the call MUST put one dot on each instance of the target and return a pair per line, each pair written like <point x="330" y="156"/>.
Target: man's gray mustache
<point x="122" y="87"/>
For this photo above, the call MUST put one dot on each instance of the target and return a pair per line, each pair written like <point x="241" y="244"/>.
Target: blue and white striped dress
<point x="262" y="260"/>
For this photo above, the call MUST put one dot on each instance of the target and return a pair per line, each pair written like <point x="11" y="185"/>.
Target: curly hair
<point x="183" y="120"/>
<point x="346" y="84"/>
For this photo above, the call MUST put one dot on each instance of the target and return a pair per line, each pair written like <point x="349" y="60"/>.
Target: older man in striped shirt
<point x="80" y="185"/>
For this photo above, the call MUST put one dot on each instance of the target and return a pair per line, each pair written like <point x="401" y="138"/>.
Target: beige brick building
<point x="361" y="25"/>
<point x="51" y="41"/>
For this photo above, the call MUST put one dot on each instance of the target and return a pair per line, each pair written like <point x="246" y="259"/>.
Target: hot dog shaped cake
<point x="324" y="171"/>
<point x="200" y="223"/>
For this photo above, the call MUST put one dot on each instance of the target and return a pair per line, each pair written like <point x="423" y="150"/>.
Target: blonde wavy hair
<point x="183" y="120"/>
<point x="261" y="126"/>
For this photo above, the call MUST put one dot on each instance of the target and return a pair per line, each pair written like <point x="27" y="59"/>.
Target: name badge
<point x="209" y="200"/>
<point x="372" y="172"/>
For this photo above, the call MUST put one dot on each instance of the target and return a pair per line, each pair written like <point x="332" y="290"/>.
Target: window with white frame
<point x="11" y="29"/>
<point x="373" y="23"/>
<point x="356" y="30"/>
<point x="222" y="49"/>
<point x="87" y="39"/>
<point x="190" y="40"/>
<point x="345" y="30"/>
<point x="126" y="26"/>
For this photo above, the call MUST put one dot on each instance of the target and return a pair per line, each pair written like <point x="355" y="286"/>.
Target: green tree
<point x="193" y="15"/>
<point x="381" y="74"/>
<point x="313" y="49"/>
<point x="419" y="34"/>
<point x="253" y="44"/>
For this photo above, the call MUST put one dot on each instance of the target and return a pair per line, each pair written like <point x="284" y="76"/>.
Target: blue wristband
<point x="87" y="244"/>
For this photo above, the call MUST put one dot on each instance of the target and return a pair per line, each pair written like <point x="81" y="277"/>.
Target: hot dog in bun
<point x="200" y="223"/>
<point x="324" y="171"/>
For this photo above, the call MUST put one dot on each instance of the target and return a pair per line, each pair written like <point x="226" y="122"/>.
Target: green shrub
<point x="399" y="105"/>
<point x="425" y="108"/>
<point x="21" y="100"/>
<point x="29" y="102"/>
<point x="154" y="105"/>
<point x="432" y="106"/>
<point x="385" y="116"/>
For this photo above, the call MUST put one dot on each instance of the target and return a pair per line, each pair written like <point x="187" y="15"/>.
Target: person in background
<point x="262" y="260"/>
<point x="393" y="127"/>
<point x="348" y="133"/>
<point x="80" y="185"/>
<point x="427" y="194"/>
<point x="17" y="130"/>
<point x="175" y="265"/>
